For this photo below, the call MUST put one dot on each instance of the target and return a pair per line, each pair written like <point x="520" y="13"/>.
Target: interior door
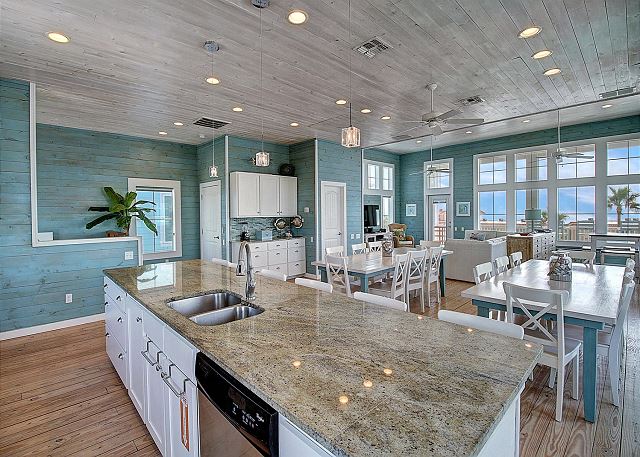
<point x="210" y="221"/>
<point x="333" y="223"/>
<point x="439" y="217"/>
<point x="269" y="190"/>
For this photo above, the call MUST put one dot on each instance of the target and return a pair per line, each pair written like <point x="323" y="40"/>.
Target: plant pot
<point x="113" y="234"/>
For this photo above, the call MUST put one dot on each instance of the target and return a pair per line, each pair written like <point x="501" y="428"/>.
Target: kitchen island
<point x="359" y="379"/>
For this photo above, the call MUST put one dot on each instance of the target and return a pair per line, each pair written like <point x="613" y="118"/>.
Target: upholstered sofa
<point x="401" y="243"/>
<point x="478" y="246"/>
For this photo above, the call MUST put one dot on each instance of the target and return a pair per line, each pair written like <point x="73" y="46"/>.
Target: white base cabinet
<point x="284" y="256"/>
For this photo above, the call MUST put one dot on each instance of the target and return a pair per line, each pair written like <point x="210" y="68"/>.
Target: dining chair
<point x="396" y="287"/>
<point x="375" y="246"/>
<point x="482" y="272"/>
<point x="360" y="248"/>
<point x="432" y="272"/>
<point x="273" y="274"/>
<point x="516" y="259"/>
<point x="583" y="256"/>
<point x="482" y="323"/>
<point x="313" y="284"/>
<point x="220" y="262"/>
<point x="500" y="265"/>
<point x="335" y="251"/>
<point x="382" y="301"/>
<point x="337" y="274"/>
<point x="415" y="275"/>
<point x="558" y="350"/>
<point x="430" y="244"/>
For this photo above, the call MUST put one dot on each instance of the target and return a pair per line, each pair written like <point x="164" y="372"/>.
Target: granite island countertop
<point x="433" y="388"/>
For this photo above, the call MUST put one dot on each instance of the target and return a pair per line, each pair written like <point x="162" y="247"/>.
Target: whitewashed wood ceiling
<point x="135" y="67"/>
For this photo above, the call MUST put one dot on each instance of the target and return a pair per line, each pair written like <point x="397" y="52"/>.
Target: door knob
<point x="217" y="237"/>
<point x="339" y="233"/>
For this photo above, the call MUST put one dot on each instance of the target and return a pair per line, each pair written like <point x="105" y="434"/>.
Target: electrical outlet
<point x="306" y="209"/>
<point x="353" y="236"/>
<point x="311" y="240"/>
<point x="128" y="255"/>
<point x="68" y="298"/>
<point x="455" y="229"/>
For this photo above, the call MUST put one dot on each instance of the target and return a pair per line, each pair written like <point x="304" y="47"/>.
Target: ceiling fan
<point x="430" y="169"/>
<point x="563" y="153"/>
<point x="436" y="121"/>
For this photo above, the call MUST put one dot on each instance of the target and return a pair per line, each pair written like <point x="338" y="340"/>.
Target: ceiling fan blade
<point x="419" y="173"/>
<point x="466" y="121"/>
<point x="436" y="130"/>
<point x="448" y="114"/>
<point x="412" y="128"/>
<point x="575" y="155"/>
<point x="411" y="122"/>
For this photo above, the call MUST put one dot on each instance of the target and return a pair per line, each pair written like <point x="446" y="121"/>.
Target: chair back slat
<point x="382" y="301"/>
<point x="482" y="323"/>
<point x="482" y="272"/>
<point x="313" y="284"/>
<point x="360" y="248"/>
<point x="335" y="251"/>
<point x="516" y="259"/>
<point x="337" y="273"/>
<point x="400" y="273"/>
<point x="416" y="265"/>
<point x="375" y="246"/>
<point x="500" y="265"/>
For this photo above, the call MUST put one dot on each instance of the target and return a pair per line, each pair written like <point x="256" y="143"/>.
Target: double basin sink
<point x="215" y="308"/>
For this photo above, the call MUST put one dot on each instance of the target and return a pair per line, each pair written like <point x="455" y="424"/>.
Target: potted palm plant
<point x="123" y="209"/>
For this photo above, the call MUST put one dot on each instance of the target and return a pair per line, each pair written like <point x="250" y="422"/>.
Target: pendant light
<point x="262" y="157"/>
<point x="212" y="47"/>
<point x="351" y="134"/>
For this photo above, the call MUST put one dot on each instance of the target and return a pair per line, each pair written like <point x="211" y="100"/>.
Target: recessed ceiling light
<point x="607" y="106"/>
<point x="418" y="141"/>
<point x="341" y="102"/>
<point x="530" y="31"/>
<point x="526" y="121"/>
<point x="213" y="80"/>
<point x="297" y="17"/>
<point x="237" y="109"/>
<point x="58" y="37"/>
<point x="542" y="54"/>
<point x="162" y="133"/>
<point x="468" y="132"/>
<point x="294" y="124"/>
<point x="179" y="124"/>
<point x="201" y="135"/>
<point x="385" y="118"/>
<point x="365" y="110"/>
<point x="552" y="71"/>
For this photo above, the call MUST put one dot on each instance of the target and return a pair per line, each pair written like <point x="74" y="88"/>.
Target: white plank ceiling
<point x="135" y="67"/>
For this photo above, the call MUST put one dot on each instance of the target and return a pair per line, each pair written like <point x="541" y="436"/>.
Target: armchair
<point x="400" y="238"/>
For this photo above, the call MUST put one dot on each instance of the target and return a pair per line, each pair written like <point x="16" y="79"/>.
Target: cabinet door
<point x="137" y="363"/>
<point x="156" y="398"/>
<point x="288" y="196"/>
<point x="269" y="185"/>
<point x="247" y="192"/>
<point x="183" y="420"/>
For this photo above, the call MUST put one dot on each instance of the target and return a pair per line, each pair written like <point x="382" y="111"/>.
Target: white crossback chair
<point x="273" y="275"/>
<point x="500" y="265"/>
<point x="432" y="272"/>
<point x="382" y="301"/>
<point x="375" y="246"/>
<point x="313" y="284"/>
<point x="397" y="286"/>
<point x="584" y="256"/>
<point x="482" y="272"/>
<point x="516" y="259"/>
<point x="558" y="350"/>
<point x="335" y="251"/>
<point x="416" y="266"/>
<point x="337" y="274"/>
<point x="482" y="323"/>
<point x="360" y="248"/>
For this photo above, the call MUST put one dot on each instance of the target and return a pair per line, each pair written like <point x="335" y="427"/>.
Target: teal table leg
<point x="442" y="277"/>
<point x="364" y="283"/>
<point x="323" y="275"/>
<point x="483" y="311"/>
<point x="589" y="372"/>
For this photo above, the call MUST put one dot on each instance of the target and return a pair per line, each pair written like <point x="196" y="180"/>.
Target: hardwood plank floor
<point x="59" y="395"/>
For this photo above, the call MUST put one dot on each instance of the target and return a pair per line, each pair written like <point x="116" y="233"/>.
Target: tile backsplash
<point x="253" y="224"/>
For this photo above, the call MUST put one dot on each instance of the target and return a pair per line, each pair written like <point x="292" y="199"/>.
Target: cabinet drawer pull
<point x="106" y="304"/>
<point x="107" y="334"/>
<point x="119" y="298"/>
<point x="105" y="286"/>
<point x="120" y="320"/>
<point x="147" y="358"/>
<point x="120" y="356"/>
<point x="166" y="378"/>
<point x="138" y="319"/>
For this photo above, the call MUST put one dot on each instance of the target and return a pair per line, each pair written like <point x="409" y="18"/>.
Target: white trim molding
<point x="345" y="225"/>
<point x="49" y="327"/>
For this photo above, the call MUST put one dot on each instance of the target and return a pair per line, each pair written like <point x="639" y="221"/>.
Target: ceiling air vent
<point x="617" y="93"/>
<point x="211" y="123"/>
<point x="471" y="100"/>
<point x="372" y="47"/>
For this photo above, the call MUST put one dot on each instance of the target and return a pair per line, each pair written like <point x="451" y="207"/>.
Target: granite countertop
<point x="412" y="385"/>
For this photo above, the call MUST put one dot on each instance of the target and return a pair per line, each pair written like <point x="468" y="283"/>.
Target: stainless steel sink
<point x="204" y="303"/>
<point x="214" y="309"/>
<point x="226" y="315"/>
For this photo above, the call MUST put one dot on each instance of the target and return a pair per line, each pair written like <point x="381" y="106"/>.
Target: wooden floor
<point x="60" y="396"/>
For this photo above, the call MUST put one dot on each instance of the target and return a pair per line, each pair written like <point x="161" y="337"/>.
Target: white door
<point x="439" y="217"/>
<point x="210" y="221"/>
<point x="156" y="397"/>
<point x="333" y="219"/>
<point x="137" y="363"/>
<point x="288" y="196"/>
<point x="269" y="189"/>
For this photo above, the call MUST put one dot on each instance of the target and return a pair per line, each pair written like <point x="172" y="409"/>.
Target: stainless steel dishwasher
<point x="234" y="422"/>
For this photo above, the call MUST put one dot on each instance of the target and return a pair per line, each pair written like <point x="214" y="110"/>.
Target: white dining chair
<point x="335" y="251"/>
<point x="313" y="284"/>
<point x="396" y="287"/>
<point x="337" y="274"/>
<point x="430" y="244"/>
<point x="273" y="274"/>
<point x="558" y="350"/>
<point x="482" y="272"/>
<point x="500" y="265"/>
<point x="584" y="256"/>
<point x="432" y="272"/>
<point x="516" y="259"/>
<point x="482" y="323"/>
<point x="220" y="262"/>
<point x="375" y="246"/>
<point x="416" y="266"/>
<point x="360" y="248"/>
<point x="382" y="301"/>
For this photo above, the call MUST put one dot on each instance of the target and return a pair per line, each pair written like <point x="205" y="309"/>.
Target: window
<point x="492" y="210"/>
<point x="576" y="212"/>
<point x="166" y="196"/>
<point x="378" y="180"/>
<point x="373" y="177"/>
<point x="623" y="157"/>
<point x="492" y="170"/>
<point x="387" y="211"/>
<point x="387" y="178"/>
<point x="531" y="199"/>
<point x="578" y="167"/>
<point x="531" y="166"/>
<point x="439" y="179"/>
<point x="623" y="208"/>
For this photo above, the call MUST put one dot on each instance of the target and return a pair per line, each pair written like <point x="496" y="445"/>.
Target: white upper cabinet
<point x="262" y="195"/>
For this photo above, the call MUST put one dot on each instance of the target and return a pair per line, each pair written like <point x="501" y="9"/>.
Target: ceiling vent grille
<point x="471" y="101"/>
<point x="373" y="47"/>
<point x="210" y="123"/>
<point x="617" y="93"/>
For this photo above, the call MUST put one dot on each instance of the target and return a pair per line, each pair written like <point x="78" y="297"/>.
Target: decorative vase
<point x="560" y="266"/>
<point x="387" y="245"/>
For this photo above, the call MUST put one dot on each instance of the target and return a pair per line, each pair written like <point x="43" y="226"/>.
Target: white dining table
<point x="594" y="293"/>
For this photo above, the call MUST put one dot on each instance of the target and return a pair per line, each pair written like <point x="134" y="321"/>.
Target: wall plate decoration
<point x="463" y="208"/>
<point x="412" y="209"/>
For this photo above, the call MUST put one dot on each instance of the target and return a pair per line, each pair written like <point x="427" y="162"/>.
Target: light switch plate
<point x="68" y="298"/>
<point x="357" y="236"/>
<point x="128" y="255"/>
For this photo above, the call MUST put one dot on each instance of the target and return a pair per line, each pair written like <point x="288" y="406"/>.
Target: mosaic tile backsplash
<point x="253" y="224"/>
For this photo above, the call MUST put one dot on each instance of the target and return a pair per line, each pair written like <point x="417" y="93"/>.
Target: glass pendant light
<point x="351" y="134"/>
<point x="262" y="157"/>
<point x="212" y="47"/>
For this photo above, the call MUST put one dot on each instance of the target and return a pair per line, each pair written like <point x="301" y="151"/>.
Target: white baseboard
<point x="312" y="276"/>
<point x="49" y="327"/>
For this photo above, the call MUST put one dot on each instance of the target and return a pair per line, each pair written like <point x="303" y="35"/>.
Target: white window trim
<point x="133" y="184"/>
<point x="601" y="181"/>
<point x="443" y="191"/>
<point x="365" y="177"/>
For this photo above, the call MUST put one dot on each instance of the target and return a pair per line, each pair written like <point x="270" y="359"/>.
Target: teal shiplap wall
<point x="34" y="280"/>
<point x="340" y="164"/>
<point x="412" y="186"/>
<point x="204" y="154"/>
<point x="302" y="156"/>
<point x="74" y="165"/>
